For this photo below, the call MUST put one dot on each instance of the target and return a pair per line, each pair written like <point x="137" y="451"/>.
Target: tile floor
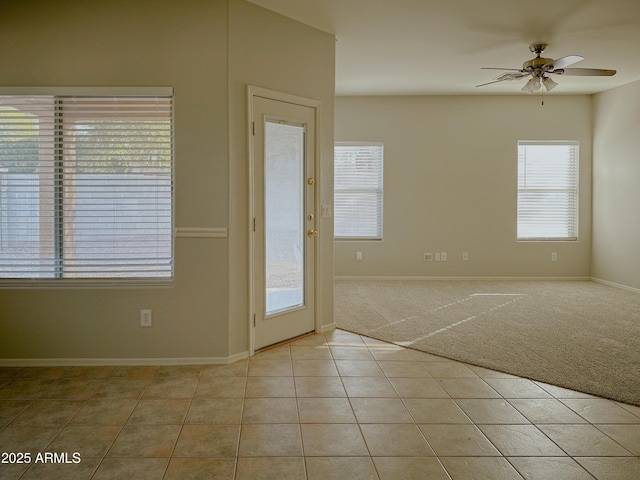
<point x="329" y="406"/>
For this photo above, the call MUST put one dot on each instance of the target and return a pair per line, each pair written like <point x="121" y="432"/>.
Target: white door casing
<point x="283" y="223"/>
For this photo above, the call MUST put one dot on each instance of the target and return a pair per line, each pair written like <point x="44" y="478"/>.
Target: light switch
<point x="326" y="211"/>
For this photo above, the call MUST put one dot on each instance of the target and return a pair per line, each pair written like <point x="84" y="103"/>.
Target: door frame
<point x="252" y="92"/>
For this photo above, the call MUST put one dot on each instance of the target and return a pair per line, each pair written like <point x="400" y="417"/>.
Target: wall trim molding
<point x="238" y="356"/>
<point x="444" y="278"/>
<point x="116" y="362"/>
<point x="616" y="285"/>
<point x="328" y="327"/>
<point x="201" y="232"/>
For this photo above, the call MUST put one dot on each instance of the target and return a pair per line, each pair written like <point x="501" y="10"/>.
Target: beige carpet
<point x="575" y="334"/>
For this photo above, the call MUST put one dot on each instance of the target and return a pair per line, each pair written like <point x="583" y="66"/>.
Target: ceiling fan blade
<point x="498" y="68"/>
<point x="512" y="76"/>
<point x="489" y="83"/>
<point x="566" y="61"/>
<point x="504" y="77"/>
<point x="585" y="72"/>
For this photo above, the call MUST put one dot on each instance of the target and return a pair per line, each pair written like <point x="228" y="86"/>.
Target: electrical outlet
<point x="554" y="256"/>
<point x="145" y="318"/>
<point x="465" y="256"/>
<point x="358" y="256"/>
<point x="443" y="256"/>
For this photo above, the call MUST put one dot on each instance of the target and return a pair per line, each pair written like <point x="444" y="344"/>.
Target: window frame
<point x="573" y="197"/>
<point x="56" y="281"/>
<point x="379" y="235"/>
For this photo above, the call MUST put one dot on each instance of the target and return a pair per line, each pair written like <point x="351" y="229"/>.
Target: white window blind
<point x="548" y="190"/>
<point x="358" y="177"/>
<point x="86" y="187"/>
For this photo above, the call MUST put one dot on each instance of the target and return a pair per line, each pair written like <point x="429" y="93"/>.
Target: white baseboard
<point x="90" y="362"/>
<point x="559" y="279"/>
<point x="443" y="278"/>
<point x="617" y="285"/>
<point x="237" y="356"/>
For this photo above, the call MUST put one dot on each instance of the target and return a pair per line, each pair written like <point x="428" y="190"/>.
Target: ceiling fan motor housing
<point x="538" y="64"/>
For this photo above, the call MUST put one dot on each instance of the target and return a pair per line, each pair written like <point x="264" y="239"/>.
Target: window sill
<point x="531" y="240"/>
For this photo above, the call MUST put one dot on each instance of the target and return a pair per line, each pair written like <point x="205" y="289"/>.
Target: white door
<point x="284" y="223"/>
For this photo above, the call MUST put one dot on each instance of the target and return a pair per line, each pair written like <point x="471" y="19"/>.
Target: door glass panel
<point x="284" y="216"/>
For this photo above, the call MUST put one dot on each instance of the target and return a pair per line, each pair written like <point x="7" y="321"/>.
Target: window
<point x="86" y="187"/>
<point x="548" y="190"/>
<point x="358" y="191"/>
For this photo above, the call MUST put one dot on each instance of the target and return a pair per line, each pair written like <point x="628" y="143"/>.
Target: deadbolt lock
<point x="310" y="217"/>
<point x="310" y="181"/>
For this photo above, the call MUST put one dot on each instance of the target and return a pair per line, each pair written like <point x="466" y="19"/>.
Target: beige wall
<point x="271" y="51"/>
<point x="450" y="171"/>
<point x="184" y="45"/>
<point x="616" y="191"/>
<point x="133" y="43"/>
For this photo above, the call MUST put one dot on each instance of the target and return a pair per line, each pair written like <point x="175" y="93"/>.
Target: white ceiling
<point x="437" y="47"/>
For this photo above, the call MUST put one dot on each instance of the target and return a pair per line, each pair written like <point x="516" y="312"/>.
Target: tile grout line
<point x="184" y="420"/>
<point x="244" y="399"/>
<point x="106" y="453"/>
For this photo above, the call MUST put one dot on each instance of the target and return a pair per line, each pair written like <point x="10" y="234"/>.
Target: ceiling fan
<point x="540" y="68"/>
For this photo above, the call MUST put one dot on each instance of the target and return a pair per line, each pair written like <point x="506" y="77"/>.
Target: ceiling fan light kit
<point x="539" y="69"/>
<point x="532" y="86"/>
<point x="548" y="83"/>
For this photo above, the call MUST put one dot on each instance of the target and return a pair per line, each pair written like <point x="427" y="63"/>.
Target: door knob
<point x="312" y="233"/>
